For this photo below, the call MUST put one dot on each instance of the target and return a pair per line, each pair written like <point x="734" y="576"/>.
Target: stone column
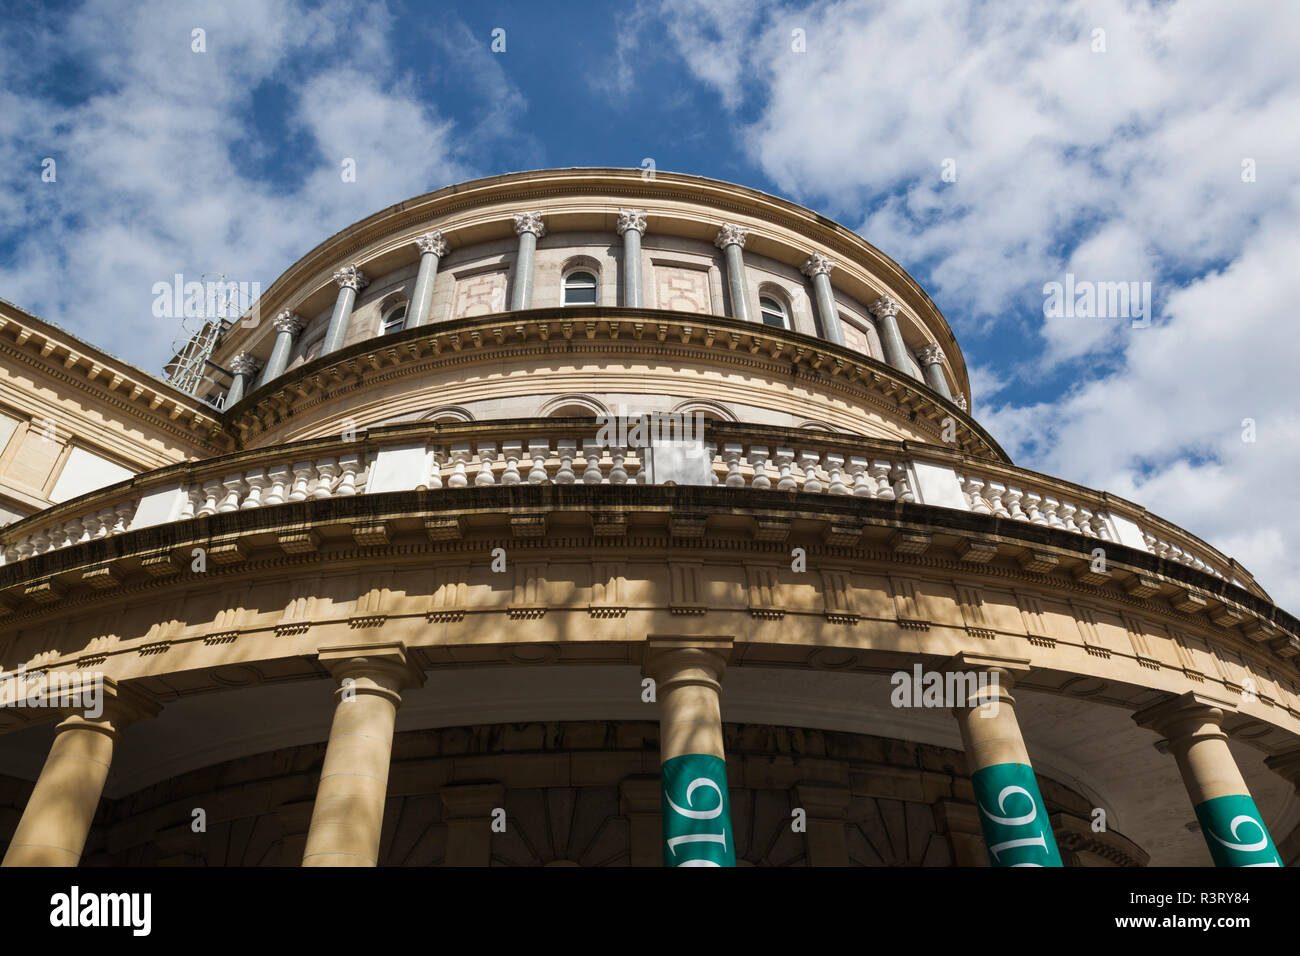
<point x="631" y="226"/>
<point x="1233" y="828"/>
<point x="349" y="810"/>
<point x="687" y="673"/>
<point x="1011" y="811"/>
<point x="242" y="366"/>
<point x="931" y="359"/>
<point x="731" y="240"/>
<point x="432" y="248"/>
<point x="885" y="310"/>
<point x="56" y="821"/>
<point x="529" y="227"/>
<point x="287" y="326"/>
<point x="351" y="280"/>
<point x="818" y="268"/>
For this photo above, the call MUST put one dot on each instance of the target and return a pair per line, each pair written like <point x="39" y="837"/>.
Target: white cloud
<point x="1117" y="166"/>
<point x="164" y="170"/>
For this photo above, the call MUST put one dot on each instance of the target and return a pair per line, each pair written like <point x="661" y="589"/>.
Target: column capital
<point x="529" y="222"/>
<point x="351" y="277"/>
<point x="930" y="355"/>
<point x="375" y="668"/>
<point x="243" y="363"/>
<point x="731" y="235"/>
<point x="960" y="401"/>
<point x="631" y="219"/>
<point x="432" y="243"/>
<point x="1013" y="668"/>
<point x="120" y="705"/>
<point x="1187" y="715"/>
<point x="817" y="265"/>
<point x="291" y="322"/>
<point x="885" y="306"/>
<point x="1005" y="670"/>
<point x="694" y="659"/>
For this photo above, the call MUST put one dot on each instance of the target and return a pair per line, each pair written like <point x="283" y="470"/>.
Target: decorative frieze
<point x="970" y="601"/>
<point x="448" y="596"/>
<point x="907" y="604"/>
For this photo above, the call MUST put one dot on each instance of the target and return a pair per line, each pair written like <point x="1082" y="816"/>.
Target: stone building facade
<point x="407" y="586"/>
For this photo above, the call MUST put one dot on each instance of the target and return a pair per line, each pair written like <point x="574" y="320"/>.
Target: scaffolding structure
<point x="188" y="368"/>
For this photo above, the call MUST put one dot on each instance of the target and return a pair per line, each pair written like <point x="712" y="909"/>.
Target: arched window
<point x="773" y="312"/>
<point x="580" y="288"/>
<point x="394" y="319"/>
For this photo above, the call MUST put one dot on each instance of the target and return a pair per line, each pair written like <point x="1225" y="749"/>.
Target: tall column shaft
<point x="432" y="248"/>
<point x="351" y="280"/>
<point x="891" y="339"/>
<point x="731" y="240"/>
<point x="349" y="811"/>
<point x="631" y="226"/>
<point x="826" y="309"/>
<point x="931" y="359"/>
<point x="57" y="818"/>
<point x="818" y="268"/>
<point x="287" y="326"/>
<point x="1233" y="828"/>
<point x="1012" y="815"/>
<point x="242" y="366"/>
<point x="696" y="809"/>
<point x="529" y="227"/>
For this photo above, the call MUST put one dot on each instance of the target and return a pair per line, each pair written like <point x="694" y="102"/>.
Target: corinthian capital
<point x="529" y="222"/>
<point x="352" y="278"/>
<point x="731" y="235"/>
<point x="817" y="265"/>
<point x="243" y="364"/>
<point x="631" y="219"/>
<point x="432" y="242"/>
<point x="960" y="401"/>
<point x="290" y="322"/>
<point x="930" y="355"/>
<point x="885" y="306"/>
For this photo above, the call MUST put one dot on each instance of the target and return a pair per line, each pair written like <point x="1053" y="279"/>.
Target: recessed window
<point x="394" y="320"/>
<point x="580" y="289"/>
<point x="773" y="312"/>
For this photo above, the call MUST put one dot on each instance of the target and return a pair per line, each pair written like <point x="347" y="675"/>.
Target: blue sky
<point x="1104" y="139"/>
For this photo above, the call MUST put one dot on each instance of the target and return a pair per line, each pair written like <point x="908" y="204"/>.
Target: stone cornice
<point x="863" y="380"/>
<point x="29" y="340"/>
<point x="841" y="528"/>
<point x="399" y="224"/>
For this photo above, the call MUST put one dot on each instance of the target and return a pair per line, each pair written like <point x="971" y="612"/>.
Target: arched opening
<point x="580" y="288"/>
<point x="773" y="312"/>
<point x="394" y="319"/>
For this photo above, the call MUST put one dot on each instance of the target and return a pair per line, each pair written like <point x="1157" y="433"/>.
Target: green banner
<point x="1012" y="815"/>
<point x="696" y="812"/>
<point x="1236" y="833"/>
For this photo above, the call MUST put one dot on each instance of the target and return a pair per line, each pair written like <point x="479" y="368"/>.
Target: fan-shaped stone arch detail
<point x="715" y="411"/>
<point x="572" y="405"/>
<point x="447" y="413"/>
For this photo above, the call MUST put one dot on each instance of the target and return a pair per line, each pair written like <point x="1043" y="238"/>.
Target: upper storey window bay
<point x="394" y="320"/>
<point x="773" y="312"/>
<point x="580" y="288"/>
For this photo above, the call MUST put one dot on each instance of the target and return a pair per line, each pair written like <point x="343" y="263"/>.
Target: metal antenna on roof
<point x="201" y="329"/>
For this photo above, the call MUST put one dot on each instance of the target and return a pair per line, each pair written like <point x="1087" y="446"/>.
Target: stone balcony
<point x="920" y="491"/>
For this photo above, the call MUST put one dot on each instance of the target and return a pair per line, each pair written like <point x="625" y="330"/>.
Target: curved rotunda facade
<point x="584" y="517"/>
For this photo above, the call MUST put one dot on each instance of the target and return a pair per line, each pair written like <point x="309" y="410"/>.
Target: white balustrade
<point x="736" y="464"/>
